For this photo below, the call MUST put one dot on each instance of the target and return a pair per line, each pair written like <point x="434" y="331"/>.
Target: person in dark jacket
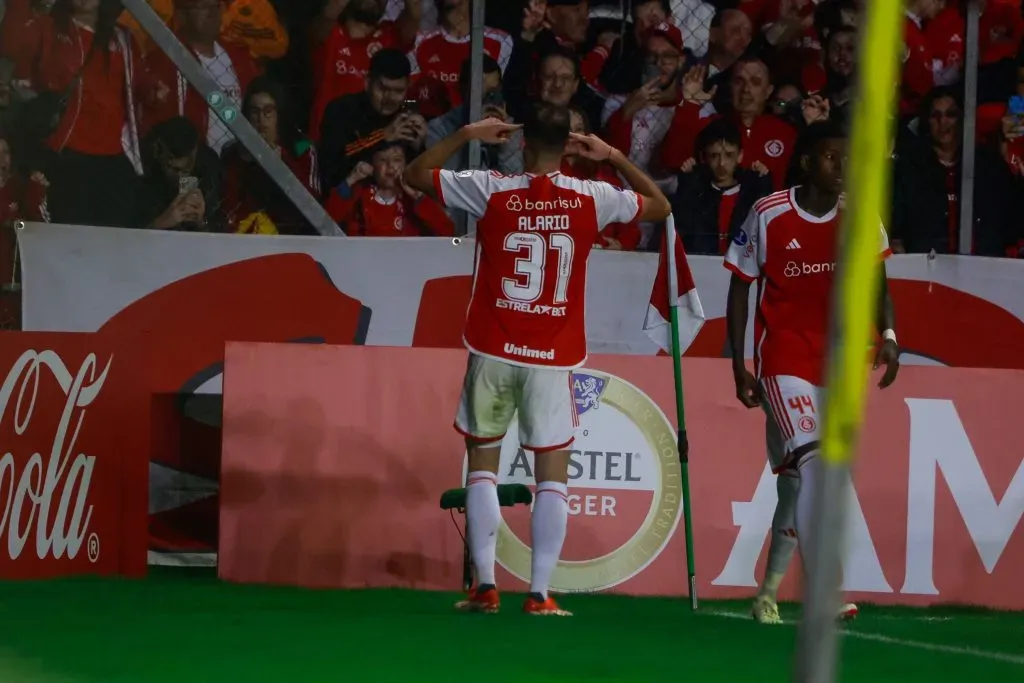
<point x="926" y="186"/>
<point x="354" y="124"/>
<point x="715" y="194"/>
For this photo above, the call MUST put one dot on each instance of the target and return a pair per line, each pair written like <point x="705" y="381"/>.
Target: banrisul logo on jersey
<point x="625" y="490"/>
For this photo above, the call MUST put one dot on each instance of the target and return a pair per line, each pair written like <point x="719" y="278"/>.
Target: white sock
<point x="483" y="516"/>
<point x="784" y="540"/>
<point x="547" y="530"/>
<point x="811" y="476"/>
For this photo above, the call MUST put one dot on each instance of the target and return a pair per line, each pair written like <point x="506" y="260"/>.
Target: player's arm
<point x="742" y="259"/>
<point x="736" y="313"/>
<point x="889" y="351"/>
<point x="654" y="206"/>
<point x="420" y="174"/>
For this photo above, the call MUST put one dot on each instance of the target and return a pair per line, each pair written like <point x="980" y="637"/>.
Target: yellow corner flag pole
<point x="853" y="311"/>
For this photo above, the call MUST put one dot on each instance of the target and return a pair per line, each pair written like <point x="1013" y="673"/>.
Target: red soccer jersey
<point x="534" y="235"/>
<point x="340" y="65"/>
<point x="792" y="255"/>
<point x="441" y="55"/>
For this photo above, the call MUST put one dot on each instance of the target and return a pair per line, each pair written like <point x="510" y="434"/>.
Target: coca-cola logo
<point x="53" y="491"/>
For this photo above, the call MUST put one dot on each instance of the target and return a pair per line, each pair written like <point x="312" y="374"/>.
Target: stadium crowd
<point x="97" y="125"/>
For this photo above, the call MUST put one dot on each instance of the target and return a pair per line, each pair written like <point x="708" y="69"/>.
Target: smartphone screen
<point x="1016" y="105"/>
<point x="410" y="107"/>
<point x="187" y="183"/>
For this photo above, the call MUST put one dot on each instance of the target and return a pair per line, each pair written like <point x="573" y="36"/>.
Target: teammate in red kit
<point x="525" y="327"/>
<point x="788" y="245"/>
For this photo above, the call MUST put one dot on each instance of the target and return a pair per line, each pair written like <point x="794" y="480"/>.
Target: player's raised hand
<point x="747" y="390"/>
<point x="590" y="147"/>
<point x="889" y="356"/>
<point x="491" y="131"/>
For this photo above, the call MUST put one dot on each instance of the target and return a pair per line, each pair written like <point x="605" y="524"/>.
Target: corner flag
<point x="665" y="296"/>
<point x="674" y="317"/>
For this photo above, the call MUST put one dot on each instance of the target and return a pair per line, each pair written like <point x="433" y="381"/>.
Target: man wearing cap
<point x="638" y="123"/>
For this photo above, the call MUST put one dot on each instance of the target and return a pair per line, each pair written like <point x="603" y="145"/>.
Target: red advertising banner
<point x="334" y="459"/>
<point x="74" y="433"/>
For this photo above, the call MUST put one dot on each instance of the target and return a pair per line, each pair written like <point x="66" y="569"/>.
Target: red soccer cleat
<point x="485" y="601"/>
<point x="547" y="608"/>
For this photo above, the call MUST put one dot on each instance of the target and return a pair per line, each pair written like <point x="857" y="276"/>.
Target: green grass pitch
<point x="176" y="627"/>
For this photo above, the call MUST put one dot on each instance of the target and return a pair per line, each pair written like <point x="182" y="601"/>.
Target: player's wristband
<point x="889" y="335"/>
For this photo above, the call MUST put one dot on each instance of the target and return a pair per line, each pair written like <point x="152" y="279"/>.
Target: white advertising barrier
<point x="78" y="278"/>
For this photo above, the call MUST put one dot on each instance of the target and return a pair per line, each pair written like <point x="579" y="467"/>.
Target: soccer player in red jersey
<point x="788" y="245"/>
<point x="525" y="327"/>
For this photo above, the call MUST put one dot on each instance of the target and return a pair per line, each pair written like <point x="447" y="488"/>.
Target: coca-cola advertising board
<point x="74" y="438"/>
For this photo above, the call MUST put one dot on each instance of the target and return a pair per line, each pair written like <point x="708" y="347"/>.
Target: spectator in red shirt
<point x="715" y="194"/>
<point x="615" y="236"/>
<point x="636" y="125"/>
<point x="918" y="58"/>
<point x="766" y="138"/>
<point x="346" y="36"/>
<point x="229" y="66"/>
<point x="18" y="201"/>
<point x="93" y="161"/>
<point x="440" y="53"/>
<point x="374" y="200"/>
<point x="247" y="188"/>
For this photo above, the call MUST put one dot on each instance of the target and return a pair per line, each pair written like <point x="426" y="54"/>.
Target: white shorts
<point x="791" y="405"/>
<point x="493" y="392"/>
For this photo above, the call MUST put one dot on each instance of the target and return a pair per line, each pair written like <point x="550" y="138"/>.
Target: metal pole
<point x="239" y="125"/>
<point x="970" y="123"/>
<point x="476" y="93"/>
<point x="476" y="83"/>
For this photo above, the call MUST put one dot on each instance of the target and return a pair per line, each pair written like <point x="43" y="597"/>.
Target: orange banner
<point x="334" y="459"/>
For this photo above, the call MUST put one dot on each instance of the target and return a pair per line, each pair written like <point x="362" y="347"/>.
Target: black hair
<point x="924" y="112"/>
<point x="637" y="4"/>
<point x="561" y="53"/>
<point x="582" y="113"/>
<point x="466" y="71"/>
<point x="752" y="58"/>
<point x="547" y="127"/>
<point x="828" y="16"/>
<point x="287" y="130"/>
<point x="837" y="31"/>
<point x="174" y="138"/>
<point x="389" y="63"/>
<point x="818" y="132"/>
<point x="719" y="130"/>
<point x="106" y="24"/>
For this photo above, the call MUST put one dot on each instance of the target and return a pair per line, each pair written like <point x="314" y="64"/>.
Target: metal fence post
<point x="970" y="124"/>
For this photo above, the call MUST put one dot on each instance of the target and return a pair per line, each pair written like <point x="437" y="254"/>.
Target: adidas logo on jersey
<point x="434" y="59"/>
<point x="793" y="244"/>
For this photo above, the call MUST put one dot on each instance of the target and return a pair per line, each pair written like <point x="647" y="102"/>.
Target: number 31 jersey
<point x="534" y="234"/>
